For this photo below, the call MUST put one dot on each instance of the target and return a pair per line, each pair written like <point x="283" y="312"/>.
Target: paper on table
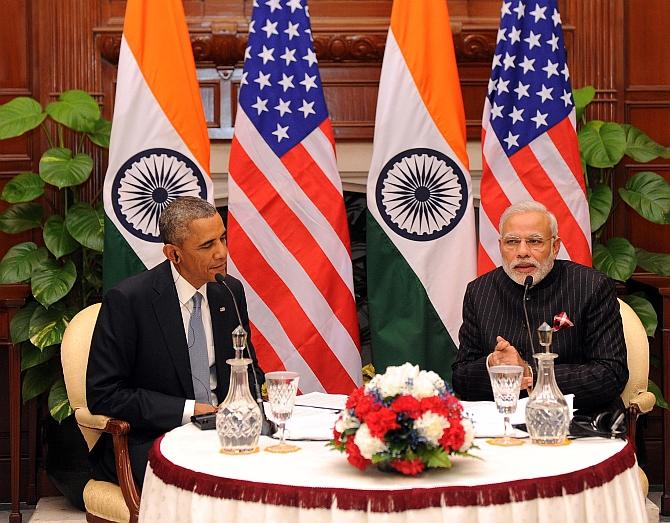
<point x="314" y="416"/>
<point x="488" y="422"/>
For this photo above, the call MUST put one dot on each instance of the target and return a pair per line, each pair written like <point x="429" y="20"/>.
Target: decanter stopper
<point x="239" y="341"/>
<point x="545" y="333"/>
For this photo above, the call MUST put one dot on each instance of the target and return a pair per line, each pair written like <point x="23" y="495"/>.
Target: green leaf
<point x="435" y="458"/>
<point x="583" y="97"/>
<point x="86" y="225"/>
<point x="655" y="262"/>
<point x="24" y="187"/>
<point x="57" y="238"/>
<point x="616" y="259"/>
<point x="656" y="391"/>
<point x="603" y="144"/>
<point x="19" y="116"/>
<point x="19" y="327"/>
<point x="21" y="217"/>
<point x="101" y="133"/>
<point x="58" y="167"/>
<point x="38" y="379"/>
<point x="18" y="263"/>
<point x="76" y="110"/>
<point x="600" y="205"/>
<point x="59" y="405"/>
<point x="644" y="310"/>
<point x="641" y="148"/>
<point x="53" y="281"/>
<point x="47" y="326"/>
<point x="649" y="194"/>
<point x="31" y="356"/>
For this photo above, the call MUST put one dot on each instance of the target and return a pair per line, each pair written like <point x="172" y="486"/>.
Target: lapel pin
<point x="222" y="309"/>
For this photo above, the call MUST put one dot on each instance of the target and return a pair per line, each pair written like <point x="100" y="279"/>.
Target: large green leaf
<point x="86" y="225"/>
<point x="656" y="391"/>
<point x="600" y="205"/>
<point x="603" y="144"/>
<point x="641" y="148"/>
<point x="59" y="405"/>
<point x="31" y="356"/>
<point x="101" y="133"/>
<point x="616" y="259"/>
<point x="57" y="238"/>
<point x="53" y="281"/>
<point x="47" y="326"/>
<point x="58" y="167"/>
<point x="24" y="187"/>
<point x="655" y="262"/>
<point x="18" y="263"/>
<point x="38" y="379"/>
<point x="19" y="327"/>
<point x="583" y="97"/>
<point x="649" y="194"/>
<point x="644" y="310"/>
<point x="19" y="116"/>
<point x="21" y="217"/>
<point x="76" y="110"/>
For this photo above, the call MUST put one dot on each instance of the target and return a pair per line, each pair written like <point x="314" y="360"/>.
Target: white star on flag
<point x="307" y="108"/>
<point x="260" y="105"/>
<point x="281" y="132"/>
<point x="283" y="107"/>
<point x="540" y="119"/>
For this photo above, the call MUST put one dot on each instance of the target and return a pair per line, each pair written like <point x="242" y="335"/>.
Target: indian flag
<point x="159" y="147"/>
<point x="421" y="227"/>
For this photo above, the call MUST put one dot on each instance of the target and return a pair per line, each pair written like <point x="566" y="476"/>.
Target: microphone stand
<point x="527" y="284"/>
<point x="266" y="426"/>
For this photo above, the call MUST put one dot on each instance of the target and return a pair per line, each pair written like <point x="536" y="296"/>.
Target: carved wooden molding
<point x="227" y="50"/>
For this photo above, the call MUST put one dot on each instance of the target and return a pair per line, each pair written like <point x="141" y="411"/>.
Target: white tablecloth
<point x="189" y="480"/>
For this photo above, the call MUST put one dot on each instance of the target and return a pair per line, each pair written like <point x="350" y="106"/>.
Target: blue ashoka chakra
<point x="421" y="194"/>
<point x="147" y="183"/>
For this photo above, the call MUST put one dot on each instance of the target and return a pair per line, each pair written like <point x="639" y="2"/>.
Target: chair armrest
<point x="90" y="421"/>
<point x="119" y="430"/>
<point x="645" y="401"/>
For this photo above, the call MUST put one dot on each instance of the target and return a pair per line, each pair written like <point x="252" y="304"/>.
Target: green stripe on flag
<point x="119" y="259"/>
<point x="404" y="325"/>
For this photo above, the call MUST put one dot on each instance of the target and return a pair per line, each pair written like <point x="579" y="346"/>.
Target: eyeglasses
<point x="534" y="243"/>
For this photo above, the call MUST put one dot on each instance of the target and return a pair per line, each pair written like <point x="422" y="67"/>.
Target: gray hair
<point x="175" y="218"/>
<point x="529" y="206"/>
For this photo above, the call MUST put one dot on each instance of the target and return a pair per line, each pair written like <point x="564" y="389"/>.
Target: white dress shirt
<point x="185" y="292"/>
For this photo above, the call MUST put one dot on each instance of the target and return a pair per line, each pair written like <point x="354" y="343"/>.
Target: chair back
<point x="637" y="348"/>
<point x="74" y="357"/>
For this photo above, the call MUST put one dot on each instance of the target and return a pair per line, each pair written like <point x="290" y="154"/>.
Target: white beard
<point x="541" y="269"/>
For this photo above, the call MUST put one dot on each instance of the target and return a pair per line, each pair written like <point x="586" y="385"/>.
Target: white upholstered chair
<point x="636" y="398"/>
<point x="104" y="501"/>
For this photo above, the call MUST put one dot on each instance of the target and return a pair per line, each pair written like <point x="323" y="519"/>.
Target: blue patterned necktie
<point x="197" y="352"/>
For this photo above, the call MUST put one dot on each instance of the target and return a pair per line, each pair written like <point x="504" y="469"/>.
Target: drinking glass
<point x="282" y="387"/>
<point x="506" y="383"/>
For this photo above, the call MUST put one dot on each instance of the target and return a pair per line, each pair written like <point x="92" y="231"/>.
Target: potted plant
<point x="603" y="145"/>
<point x="65" y="270"/>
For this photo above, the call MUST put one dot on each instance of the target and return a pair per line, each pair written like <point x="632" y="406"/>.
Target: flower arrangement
<point x="406" y="419"/>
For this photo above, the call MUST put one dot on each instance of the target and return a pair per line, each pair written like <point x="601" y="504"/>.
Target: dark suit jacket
<point x="591" y="361"/>
<point x="138" y="367"/>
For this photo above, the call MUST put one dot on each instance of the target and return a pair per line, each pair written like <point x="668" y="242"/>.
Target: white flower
<point x="396" y="380"/>
<point x="469" y="435"/>
<point x="367" y="443"/>
<point x="346" y="421"/>
<point x="431" y="426"/>
<point x="424" y="386"/>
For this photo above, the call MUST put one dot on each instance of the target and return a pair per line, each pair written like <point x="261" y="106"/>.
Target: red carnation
<point x="366" y="404"/>
<point x="354" y="397"/>
<point x="453" y="437"/>
<point x="407" y="405"/>
<point x="435" y="404"/>
<point x="354" y="455"/>
<point x="381" y="421"/>
<point x="407" y="466"/>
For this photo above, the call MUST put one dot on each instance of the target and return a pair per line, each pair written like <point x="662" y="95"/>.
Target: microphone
<point x="527" y="284"/>
<point x="266" y="429"/>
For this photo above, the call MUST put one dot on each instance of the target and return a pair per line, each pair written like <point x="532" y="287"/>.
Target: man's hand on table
<point x="505" y="353"/>
<point x="203" y="408"/>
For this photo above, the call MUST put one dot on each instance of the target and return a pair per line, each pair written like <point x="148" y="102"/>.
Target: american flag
<point x="287" y="230"/>
<point x="530" y="149"/>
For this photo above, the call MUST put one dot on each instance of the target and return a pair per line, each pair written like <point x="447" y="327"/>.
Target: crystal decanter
<point x="238" y="420"/>
<point x="547" y="416"/>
